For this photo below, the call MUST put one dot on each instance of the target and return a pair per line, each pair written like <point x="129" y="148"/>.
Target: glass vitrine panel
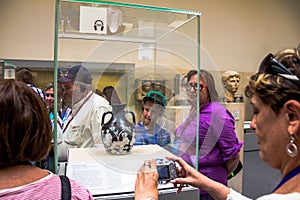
<point x="135" y="49"/>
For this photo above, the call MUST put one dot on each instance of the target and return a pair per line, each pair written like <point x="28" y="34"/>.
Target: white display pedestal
<point x="238" y="112"/>
<point x="113" y="176"/>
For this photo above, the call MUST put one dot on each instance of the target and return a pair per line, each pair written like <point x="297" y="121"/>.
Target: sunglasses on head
<point x="270" y="65"/>
<point x="189" y="86"/>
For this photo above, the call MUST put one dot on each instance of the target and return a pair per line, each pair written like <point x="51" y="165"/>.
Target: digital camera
<point x="166" y="169"/>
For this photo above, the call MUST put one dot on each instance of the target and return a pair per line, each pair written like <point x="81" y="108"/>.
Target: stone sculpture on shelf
<point x="231" y="82"/>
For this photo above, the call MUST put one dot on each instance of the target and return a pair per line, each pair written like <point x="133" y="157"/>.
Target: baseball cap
<point x="76" y="73"/>
<point x="155" y="97"/>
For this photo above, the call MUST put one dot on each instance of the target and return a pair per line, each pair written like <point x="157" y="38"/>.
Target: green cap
<point x="155" y="97"/>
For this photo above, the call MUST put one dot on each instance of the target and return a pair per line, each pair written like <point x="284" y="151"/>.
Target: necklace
<point x="290" y="175"/>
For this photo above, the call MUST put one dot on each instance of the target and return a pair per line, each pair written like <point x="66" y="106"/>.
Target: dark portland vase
<point x="118" y="132"/>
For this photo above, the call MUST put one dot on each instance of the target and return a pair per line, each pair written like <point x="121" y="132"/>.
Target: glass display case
<point x="135" y="49"/>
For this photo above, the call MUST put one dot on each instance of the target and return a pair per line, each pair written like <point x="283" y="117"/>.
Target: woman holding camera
<point x="275" y="98"/>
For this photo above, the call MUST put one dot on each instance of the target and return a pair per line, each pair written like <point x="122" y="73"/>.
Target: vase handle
<point x="132" y="114"/>
<point x="103" y="117"/>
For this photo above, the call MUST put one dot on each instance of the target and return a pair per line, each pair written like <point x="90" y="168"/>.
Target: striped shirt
<point x="158" y="135"/>
<point x="40" y="92"/>
<point x="48" y="188"/>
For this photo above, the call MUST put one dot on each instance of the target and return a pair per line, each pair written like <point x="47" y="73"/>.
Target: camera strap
<point x="65" y="187"/>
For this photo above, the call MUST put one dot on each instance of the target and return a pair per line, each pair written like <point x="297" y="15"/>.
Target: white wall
<point x="237" y="34"/>
<point x="27" y="29"/>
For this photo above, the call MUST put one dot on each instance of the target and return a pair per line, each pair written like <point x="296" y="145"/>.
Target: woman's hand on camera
<point x="186" y="174"/>
<point x="189" y="175"/>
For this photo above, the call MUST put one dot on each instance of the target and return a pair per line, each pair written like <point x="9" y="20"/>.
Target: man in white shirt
<point x="83" y="127"/>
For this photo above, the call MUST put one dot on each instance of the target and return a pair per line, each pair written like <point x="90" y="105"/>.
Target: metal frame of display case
<point x="181" y="21"/>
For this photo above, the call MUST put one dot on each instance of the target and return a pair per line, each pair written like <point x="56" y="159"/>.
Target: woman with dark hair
<point x="275" y="97"/>
<point x="26" y="136"/>
<point x="218" y="143"/>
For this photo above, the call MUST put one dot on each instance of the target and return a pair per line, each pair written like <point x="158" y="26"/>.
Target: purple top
<point x="218" y="141"/>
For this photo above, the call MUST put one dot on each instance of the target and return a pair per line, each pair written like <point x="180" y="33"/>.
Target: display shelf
<point x="129" y="21"/>
<point x="85" y="36"/>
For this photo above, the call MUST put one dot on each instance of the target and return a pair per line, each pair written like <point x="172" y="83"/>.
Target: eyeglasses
<point x="49" y="94"/>
<point x="189" y="86"/>
<point x="270" y="65"/>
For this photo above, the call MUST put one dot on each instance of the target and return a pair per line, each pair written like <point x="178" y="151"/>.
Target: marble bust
<point x="231" y="82"/>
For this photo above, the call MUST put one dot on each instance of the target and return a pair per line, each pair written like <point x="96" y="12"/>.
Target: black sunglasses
<point x="189" y="86"/>
<point x="48" y="95"/>
<point x="270" y="65"/>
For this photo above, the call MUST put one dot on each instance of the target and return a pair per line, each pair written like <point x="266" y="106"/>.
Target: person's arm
<point x="229" y="144"/>
<point x="232" y="164"/>
<point x="147" y="182"/>
<point x="189" y="175"/>
<point x="164" y="136"/>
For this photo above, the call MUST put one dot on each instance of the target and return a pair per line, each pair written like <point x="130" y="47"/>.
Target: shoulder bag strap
<point x="65" y="188"/>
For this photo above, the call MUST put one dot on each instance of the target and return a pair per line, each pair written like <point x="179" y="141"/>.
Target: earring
<point x="291" y="148"/>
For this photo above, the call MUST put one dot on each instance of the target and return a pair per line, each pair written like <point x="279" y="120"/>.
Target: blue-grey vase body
<point x="118" y="132"/>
